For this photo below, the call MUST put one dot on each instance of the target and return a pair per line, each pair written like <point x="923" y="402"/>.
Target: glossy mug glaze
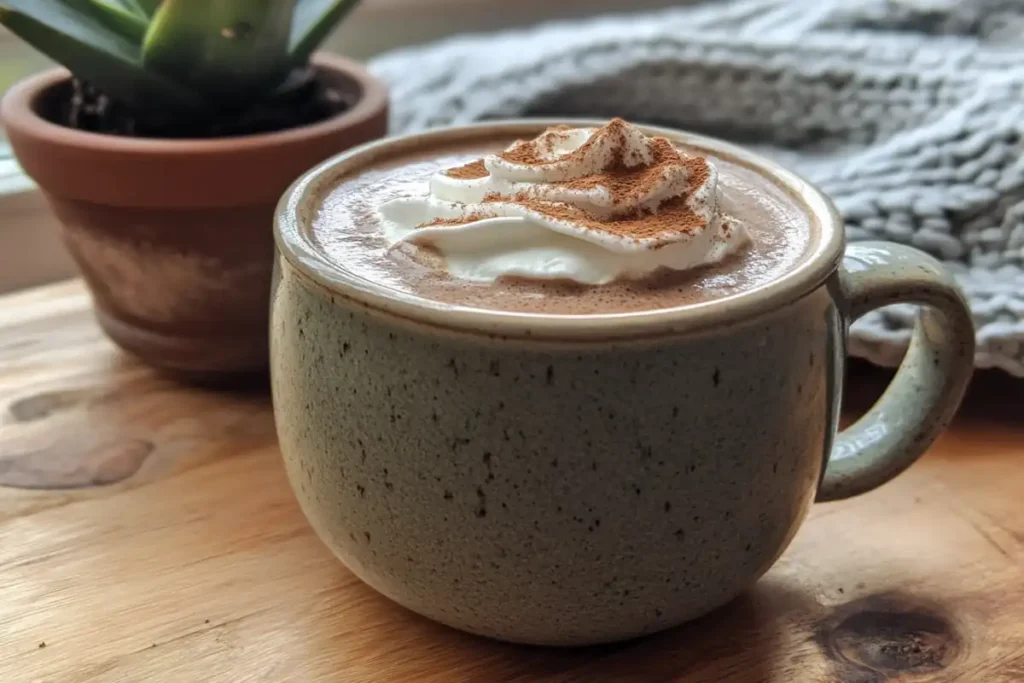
<point x="567" y="481"/>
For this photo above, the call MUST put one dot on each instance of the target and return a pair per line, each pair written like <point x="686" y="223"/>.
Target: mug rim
<point x="292" y="235"/>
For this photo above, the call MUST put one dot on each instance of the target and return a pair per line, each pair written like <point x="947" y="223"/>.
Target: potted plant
<point x="164" y="147"/>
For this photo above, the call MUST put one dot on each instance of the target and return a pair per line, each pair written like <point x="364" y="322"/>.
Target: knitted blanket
<point x="908" y="113"/>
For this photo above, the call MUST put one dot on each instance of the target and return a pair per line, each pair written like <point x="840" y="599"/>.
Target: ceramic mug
<point x="572" y="480"/>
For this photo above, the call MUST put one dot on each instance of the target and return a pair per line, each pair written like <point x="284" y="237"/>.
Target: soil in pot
<point x="303" y="100"/>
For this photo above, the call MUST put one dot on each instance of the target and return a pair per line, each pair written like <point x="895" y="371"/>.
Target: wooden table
<point x="147" y="533"/>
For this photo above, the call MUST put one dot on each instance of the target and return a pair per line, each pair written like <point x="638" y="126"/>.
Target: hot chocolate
<point x="574" y="221"/>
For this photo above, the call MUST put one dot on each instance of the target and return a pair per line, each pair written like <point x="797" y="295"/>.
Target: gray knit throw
<point x="908" y="113"/>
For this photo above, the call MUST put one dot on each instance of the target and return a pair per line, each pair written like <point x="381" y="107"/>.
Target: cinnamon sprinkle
<point x="627" y="180"/>
<point x="448" y="222"/>
<point x="524" y="152"/>
<point x="672" y="217"/>
<point x="528" y="152"/>
<point x="471" y="171"/>
<point x="626" y="184"/>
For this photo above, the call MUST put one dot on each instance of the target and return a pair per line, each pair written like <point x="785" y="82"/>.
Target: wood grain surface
<point x="147" y="533"/>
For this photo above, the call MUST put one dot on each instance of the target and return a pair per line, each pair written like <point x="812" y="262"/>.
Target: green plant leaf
<point x="118" y="16"/>
<point x="231" y="50"/>
<point x="147" y="7"/>
<point x="314" y="21"/>
<point x="94" y="52"/>
<point x="130" y="6"/>
<point x="142" y="8"/>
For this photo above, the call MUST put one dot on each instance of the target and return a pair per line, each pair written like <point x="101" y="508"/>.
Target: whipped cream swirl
<point x="582" y="204"/>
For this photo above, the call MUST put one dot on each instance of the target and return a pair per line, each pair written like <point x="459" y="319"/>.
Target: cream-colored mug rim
<point x="292" y="232"/>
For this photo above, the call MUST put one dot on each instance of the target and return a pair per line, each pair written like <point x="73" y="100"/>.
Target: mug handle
<point x="931" y="380"/>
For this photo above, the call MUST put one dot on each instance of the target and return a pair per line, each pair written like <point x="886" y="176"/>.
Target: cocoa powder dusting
<point x="523" y="152"/>
<point x="672" y="217"/>
<point x="528" y="152"/>
<point x="470" y="171"/>
<point x="627" y="180"/>
<point x="626" y="184"/>
<point x="439" y="222"/>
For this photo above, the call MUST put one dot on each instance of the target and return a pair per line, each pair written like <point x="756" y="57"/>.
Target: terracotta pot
<point x="174" y="237"/>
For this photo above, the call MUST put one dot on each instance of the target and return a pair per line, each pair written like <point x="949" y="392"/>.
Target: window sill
<point x="31" y="252"/>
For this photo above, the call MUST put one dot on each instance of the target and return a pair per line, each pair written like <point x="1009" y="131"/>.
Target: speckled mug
<point x="573" y="480"/>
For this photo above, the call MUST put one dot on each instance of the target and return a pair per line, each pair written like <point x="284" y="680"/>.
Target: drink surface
<point x="350" y="232"/>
